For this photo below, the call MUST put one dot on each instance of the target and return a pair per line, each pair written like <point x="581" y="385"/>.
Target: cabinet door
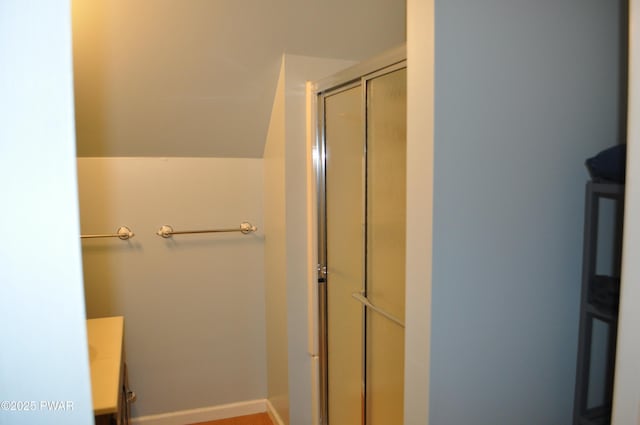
<point x="126" y="398"/>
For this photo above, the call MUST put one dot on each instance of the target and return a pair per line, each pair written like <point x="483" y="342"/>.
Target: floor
<point x="257" y="419"/>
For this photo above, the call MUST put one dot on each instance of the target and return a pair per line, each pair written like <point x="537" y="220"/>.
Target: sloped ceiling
<point x="197" y="77"/>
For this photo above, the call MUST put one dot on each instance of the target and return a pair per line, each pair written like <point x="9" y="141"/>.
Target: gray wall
<point x="193" y="305"/>
<point x="525" y="91"/>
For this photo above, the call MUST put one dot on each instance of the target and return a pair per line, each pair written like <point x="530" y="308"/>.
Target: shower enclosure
<point x="361" y="200"/>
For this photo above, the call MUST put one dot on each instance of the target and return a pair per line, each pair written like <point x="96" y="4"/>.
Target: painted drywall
<point x="349" y="30"/>
<point x="197" y="78"/>
<point x="275" y="256"/>
<point x="420" y="139"/>
<point x="288" y="236"/>
<point x="524" y="92"/>
<point x="193" y="304"/>
<point x="626" y="404"/>
<point x="44" y="355"/>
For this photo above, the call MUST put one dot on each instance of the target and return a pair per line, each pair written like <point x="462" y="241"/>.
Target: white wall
<point x="626" y="405"/>
<point x="197" y="77"/>
<point x="419" y="238"/>
<point x="349" y="30"/>
<point x="275" y="229"/>
<point x="524" y="92"/>
<point x="289" y="238"/>
<point x="43" y="354"/>
<point x="194" y="304"/>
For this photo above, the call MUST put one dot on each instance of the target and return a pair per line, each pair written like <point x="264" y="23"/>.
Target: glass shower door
<point x="385" y="271"/>
<point x="345" y="254"/>
<point x="364" y="194"/>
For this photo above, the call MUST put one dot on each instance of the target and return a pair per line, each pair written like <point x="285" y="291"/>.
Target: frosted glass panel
<point x="385" y="264"/>
<point x="365" y="230"/>
<point x="345" y="255"/>
<point x="385" y="371"/>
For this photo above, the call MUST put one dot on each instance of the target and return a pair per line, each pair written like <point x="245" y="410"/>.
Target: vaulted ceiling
<point x="197" y="77"/>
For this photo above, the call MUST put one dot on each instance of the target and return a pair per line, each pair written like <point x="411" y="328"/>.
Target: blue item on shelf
<point x="609" y="165"/>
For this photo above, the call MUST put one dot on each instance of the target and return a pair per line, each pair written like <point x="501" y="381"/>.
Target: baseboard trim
<point x="205" y="414"/>
<point x="273" y="414"/>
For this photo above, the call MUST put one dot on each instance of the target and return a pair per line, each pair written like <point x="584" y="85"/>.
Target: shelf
<point x="600" y="416"/>
<point x="607" y="190"/>
<point x="599" y="301"/>
<point x="604" y="315"/>
<point x="604" y="295"/>
<point x="595" y="421"/>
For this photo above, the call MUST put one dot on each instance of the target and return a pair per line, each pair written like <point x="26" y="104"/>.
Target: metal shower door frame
<point x="358" y="75"/>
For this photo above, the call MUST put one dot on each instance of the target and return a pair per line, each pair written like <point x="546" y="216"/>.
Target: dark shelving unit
<point x="598" y="304"/>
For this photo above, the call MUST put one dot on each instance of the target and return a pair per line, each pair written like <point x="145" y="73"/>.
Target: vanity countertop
<point x="105" y="337"/>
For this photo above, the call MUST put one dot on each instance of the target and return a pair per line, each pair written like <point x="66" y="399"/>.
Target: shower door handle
<point x="365" y="301"/>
